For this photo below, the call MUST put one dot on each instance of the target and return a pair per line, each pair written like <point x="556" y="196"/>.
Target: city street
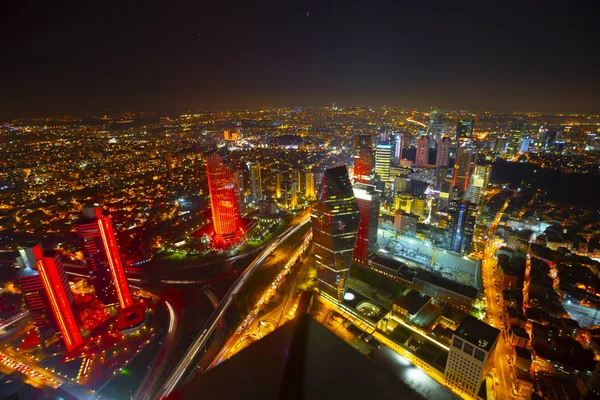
<point x="502" y="375"/>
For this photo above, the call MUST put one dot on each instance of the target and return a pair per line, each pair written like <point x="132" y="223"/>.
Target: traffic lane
<point x="411" y="374"/>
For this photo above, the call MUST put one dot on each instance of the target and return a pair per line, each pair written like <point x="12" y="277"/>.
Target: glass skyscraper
<point x="335" y="222"/>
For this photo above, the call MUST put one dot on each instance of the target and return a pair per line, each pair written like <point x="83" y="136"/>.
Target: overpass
<point x="187" y="363"/>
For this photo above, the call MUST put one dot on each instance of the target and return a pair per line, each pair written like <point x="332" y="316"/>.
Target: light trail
<point x="416" y="122"/>
<point x="186" y="361"/>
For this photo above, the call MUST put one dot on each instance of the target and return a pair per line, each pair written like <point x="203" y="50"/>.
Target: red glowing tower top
<point x="225" y="213"/>
<point x="103" y="256"/>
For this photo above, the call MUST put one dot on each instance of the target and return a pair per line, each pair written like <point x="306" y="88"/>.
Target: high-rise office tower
<point x="473" y="344"/>
<point x="238" y="187"/>
<point x="478" y="184"/>
<point x="368" y="199"/>
<point x="225" y="213"/>
<point x="435" y="129"/>
<point x="464" y="129"/>
<point x="102" y="254"/>
<point x="422" y="152"/>
<point x="335" y="221"/>
<point x="255" y="181"/>
<point x="383" y="160"/>
<point x="48" y="267"/>
<point x="278" y="180"/>
<point x="364" y="163"/>
<point x="525" y="143"/>
<point x="32" y="288"/>
<point x="309" y="186"/>
<point x="297" y="176"/>
<point x="462" y="216"/>
<point x="443" y="152"/>
<point x="397" y="149"/>
<point x="462" y="165"/>
<point x="514" y="137"/>
<point x="289" y="194"/>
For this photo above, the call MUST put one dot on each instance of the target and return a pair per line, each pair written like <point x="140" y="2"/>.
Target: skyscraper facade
<point x="443" y="152"/>
<point x="255" y="181"/>
<point x="462" y="216"/>
<point x="464" y="129"/>
<point x="278" y="180"/>
<point x="397" y="148"/>
<point x="226" y="218"/>
<point x="364" y="163"/>
<point x="102" y="254"/>
<point x="335" y="221"/>
<point x="462" y="166"/>
<point x="383" y="160"/>
<point x="515" y="136"/>
<point x="368" y="199"/>
<point x="57" y="291"/>
<point x="473" y="345"/>
<point x="32" y="288"/>
<point x="238" y="188"/>
<point x="309" y="186"/>
<point x="422" y="152"/>
<point x="435" y="129"/>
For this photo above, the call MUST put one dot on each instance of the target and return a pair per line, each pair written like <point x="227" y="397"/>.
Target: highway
<point x="250" y="328"/>
<point x="187" y="363"/>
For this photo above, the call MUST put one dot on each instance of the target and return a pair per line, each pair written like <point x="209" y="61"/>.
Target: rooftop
<point x="467" y="291"/>
<point x="478" y="333"/>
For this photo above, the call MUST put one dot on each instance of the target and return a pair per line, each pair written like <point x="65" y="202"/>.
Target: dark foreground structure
<point x="300" y="360"/>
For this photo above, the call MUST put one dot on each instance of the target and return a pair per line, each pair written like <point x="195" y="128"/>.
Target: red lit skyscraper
<point x="226" y="218"/>
<point x="422" y="151"/>
<point x="368" y="200"/>
<point x="44" y="284"/>
<point x="364" y="163"/>
<point x="103" y="257"/>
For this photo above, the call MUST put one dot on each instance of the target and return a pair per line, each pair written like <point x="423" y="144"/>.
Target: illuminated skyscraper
<point x="297" y="176"/>
<point x="226" y="217"/>
<point x="478" y="184"/>
<point x="462" y="166"/>
<point x="464" y="129"/>
<point x="462" y="216"/>
<point x="383" y="160"/>
<point x="278" y="180"/>
<point x="289" y="194"/>
<point x="368" y="200"/>
<point x="397" y="148"/>
<point x="238" y="187"/>
<point x="335" y="221"/>
<point x="514" y="137"/>
<point x="309" y="186"/>
<point x="46" y="268"/>
<point x="473" y="345"/>
<point x="255" y="181"/>
<point x="422" y="152"/>
<point x="364" y="165"/>
<point x="435" y="130"/>
<point x="102" y="253"/>
<point x="443" y="152"/>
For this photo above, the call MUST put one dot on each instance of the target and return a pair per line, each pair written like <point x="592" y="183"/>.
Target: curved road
<point x="187" y="361"/>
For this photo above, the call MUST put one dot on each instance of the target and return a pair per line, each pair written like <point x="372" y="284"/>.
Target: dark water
<point x="578" y="189"/>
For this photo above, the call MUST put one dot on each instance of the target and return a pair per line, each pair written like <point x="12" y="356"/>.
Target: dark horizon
<point x="172" y="57"/>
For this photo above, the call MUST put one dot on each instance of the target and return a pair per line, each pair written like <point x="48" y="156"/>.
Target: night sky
<point x="172" y="56"/>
